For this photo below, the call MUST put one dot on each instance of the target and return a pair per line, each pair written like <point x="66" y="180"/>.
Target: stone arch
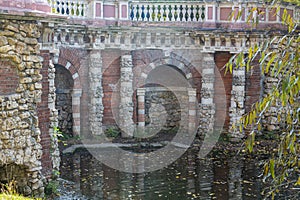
<point x="76" y="90"/>
<point x="193" y="93"/>
<point x="18" y="173"/>
<point x="164" y="86"/>
<point x="181" y="64"/>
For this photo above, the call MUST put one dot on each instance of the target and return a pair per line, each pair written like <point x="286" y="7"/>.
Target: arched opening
<point x="64" y="84"/>
<point x="17" y="175"/>
<point x="166" y="98"/>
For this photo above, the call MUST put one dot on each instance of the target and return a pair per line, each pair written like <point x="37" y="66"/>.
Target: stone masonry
<point x="108" y="48"/>
<point x="19" y="125"/>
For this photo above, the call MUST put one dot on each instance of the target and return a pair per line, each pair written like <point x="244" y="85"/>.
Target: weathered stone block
<point x="31" y="41"/>
<point x="25" y="80"/>
<point x="3" y="41"/>
<point x="6" y="33"/>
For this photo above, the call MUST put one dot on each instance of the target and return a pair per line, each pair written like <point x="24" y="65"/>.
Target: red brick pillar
<point x="141" y="106"/>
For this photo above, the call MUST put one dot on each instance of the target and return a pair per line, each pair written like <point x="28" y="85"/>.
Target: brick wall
<point x="221" y="58"/>
<point x="44" y="117"/>
<point x="9" y="78"/>
<point x="111" y="76"/>
<point x="253" y="86"/>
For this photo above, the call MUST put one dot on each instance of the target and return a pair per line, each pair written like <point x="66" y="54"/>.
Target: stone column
<point x="96" y="93"/>
<point x="126" y="91"/>
<point x="76" y="94"/>
<point x="237" y="107"/>
<point x="53" y="117"/>
<point x="270" y="119"/>
<point x="207" y="94"/>
<point x="192" y="109"/>
<point x="141" y="106"/>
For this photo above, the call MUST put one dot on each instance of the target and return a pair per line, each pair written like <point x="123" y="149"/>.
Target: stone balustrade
<point x="183" y="11"/>
<point x="170" y="11"/>
<point x="74" y="8"/>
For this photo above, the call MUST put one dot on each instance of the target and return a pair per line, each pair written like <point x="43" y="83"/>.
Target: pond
<point x="223" y="174"/>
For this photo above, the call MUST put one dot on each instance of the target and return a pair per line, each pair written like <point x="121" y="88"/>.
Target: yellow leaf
<point x="272" y="168"/>
<point x="298" y="182"/>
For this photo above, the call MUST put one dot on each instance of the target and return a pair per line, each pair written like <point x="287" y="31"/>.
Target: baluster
<point x="67" y="8"/>
<point x="83" y="9"/>
<point x="55" y="7"/>
<point x="137" y="13"/>
<point x="58" y="7"/>
<point x="186" y="16"/>
<point x="132" y="12"/>
<point x="76" y="9"/>
<point x="73" y="8"/>
<point x="148" y="13"/>
<point x="80" y="9"/>
<point x="175" y="13"/>
<point x="170" y="13"/>
<point x="158" y="13"/>
<point x="192" y="13"/>
<point x="180" y="13"/>
<point x="153" y="13"/>
<point x="164" y="13"/>
<point x="197" y="13"/>
<point x="143" y="12"/>
<point x="202" y="15"/>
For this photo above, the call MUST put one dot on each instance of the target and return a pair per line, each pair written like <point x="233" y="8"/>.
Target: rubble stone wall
<point x="20" y="135"/>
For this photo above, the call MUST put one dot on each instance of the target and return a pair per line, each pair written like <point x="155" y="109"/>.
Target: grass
<point x="9" y="192"/>
<point x="13" y="197"/>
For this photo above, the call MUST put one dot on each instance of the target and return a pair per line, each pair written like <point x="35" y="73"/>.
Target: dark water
<point x="222" y="175"/>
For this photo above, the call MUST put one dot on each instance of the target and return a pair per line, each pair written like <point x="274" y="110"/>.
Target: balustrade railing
<point x="74" y="8"/>
<point x="167" y="11"/>
<point x="164" y="10"/>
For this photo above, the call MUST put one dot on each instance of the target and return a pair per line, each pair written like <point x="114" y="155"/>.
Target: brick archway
<point x="186" y="69"/>
<point x="72" y="64"/>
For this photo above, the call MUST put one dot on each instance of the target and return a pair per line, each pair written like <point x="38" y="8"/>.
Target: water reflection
<point x="219" y="176"/>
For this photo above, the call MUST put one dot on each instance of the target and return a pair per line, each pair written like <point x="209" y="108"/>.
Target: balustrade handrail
<point x="157" y="10"/>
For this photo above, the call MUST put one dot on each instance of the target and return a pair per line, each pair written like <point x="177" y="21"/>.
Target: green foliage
<point x="112" y="132"/>
<point x="55" y="174"/>
<point x="51" y="188"/>
<point x="278" y="58"/>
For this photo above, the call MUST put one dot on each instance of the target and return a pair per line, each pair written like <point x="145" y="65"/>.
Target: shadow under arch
<point x="64" y="85"/>
<point x="165" y="86"/>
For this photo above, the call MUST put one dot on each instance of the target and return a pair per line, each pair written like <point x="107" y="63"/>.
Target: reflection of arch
<point x="73" y="82"/>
